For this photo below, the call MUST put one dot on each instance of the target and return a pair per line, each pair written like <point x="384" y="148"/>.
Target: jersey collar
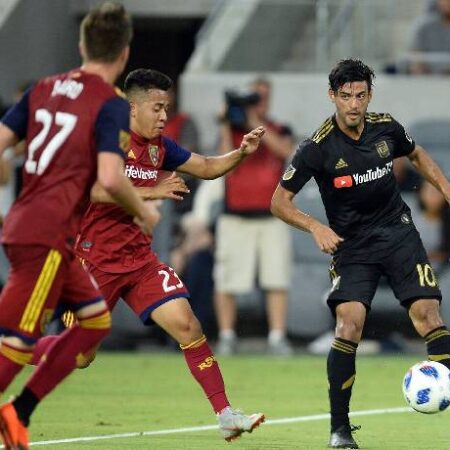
<point x="345" y="136"/>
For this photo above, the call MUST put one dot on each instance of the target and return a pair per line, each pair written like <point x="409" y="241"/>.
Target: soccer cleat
<point x="342" y="437"/>
<point x="13" y="432"/>
<point x="233" y="423"/>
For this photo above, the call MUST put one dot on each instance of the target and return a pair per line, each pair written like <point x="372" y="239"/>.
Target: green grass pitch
<point x="126" y="393"/>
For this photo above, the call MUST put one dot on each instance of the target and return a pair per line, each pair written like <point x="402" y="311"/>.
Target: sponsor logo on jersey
<point x="69" y="88"/>
<point x="343" y="182"/>
<point x="131" y="154"/>
<point x="153" y="153"/>
<point x="373" y="174"/>
<point x="340" y="164"/>
<point x="405" y="219"/>
<point x="382" y="149"/>
<point x="142" y="174"/>
<point x="289" y="172"/>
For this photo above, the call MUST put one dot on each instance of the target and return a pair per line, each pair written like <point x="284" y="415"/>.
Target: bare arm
<point x="283" y="208"/>
<point x="425" y="165"/>
<point x="172" y="187"/>
<point x="211" y="167"/>
<point x="111" y="178"/>
<point x="7" y="139"/>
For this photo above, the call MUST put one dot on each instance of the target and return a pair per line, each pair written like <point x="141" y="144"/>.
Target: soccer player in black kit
<point x="370" y="230"/>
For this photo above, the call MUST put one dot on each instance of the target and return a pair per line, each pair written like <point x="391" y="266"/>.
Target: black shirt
<point x="355" y="177"/>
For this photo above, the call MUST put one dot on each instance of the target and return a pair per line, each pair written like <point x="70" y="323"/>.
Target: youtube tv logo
<point x="343" y="182"/>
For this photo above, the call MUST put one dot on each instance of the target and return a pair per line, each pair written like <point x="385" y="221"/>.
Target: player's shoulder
<point x="322" y="133"/>
<point x="379" y="118"/>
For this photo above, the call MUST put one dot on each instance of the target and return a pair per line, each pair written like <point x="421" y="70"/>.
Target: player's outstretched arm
<point x="172" y="187"/>
<point x="428" y="168"/>
<point x="283" y="208"/>
<point x="211" y="167"/>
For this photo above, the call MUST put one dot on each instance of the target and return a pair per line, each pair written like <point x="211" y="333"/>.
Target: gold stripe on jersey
<point x="101" y="322"/>
<point x="378" y="117"/>
<point x="19" y="357"/>
<point x="323" y="131"/>
<point x="40" y="291"/>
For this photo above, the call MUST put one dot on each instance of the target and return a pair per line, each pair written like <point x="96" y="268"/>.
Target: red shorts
<point x="40" y="281"/>
<point x="143" y="289"/>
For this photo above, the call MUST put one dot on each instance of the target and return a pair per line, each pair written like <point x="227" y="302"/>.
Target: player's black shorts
<point x="395" y="251"/>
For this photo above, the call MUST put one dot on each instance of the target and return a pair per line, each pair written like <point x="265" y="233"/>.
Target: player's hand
<point x="326" y="239"/>
<point x="172" y="187"/>
<point x="251" y="140"/>
<point x="149" y="219"/>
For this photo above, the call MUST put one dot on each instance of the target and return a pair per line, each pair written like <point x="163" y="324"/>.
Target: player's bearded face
<point x="149" y="113"/>
<point x="352" y="101"/>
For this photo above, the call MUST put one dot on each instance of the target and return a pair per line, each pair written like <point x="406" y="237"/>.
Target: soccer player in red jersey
<point x="118" y="254"/>
<point x="76" y="129"/>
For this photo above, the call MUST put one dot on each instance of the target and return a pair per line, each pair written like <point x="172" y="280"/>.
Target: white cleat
<point x="233" y="423"/>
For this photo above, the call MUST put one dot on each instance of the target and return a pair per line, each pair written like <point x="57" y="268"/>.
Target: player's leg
<point x="111" y="287"/>
<point x="275" y="260"/>
<point x="234" y="273"/>
<point x="26" y="303"/>
<point x="73" y="346"/>
<point x="160" y="296"/>
<point x="427" y="320"/>
<point x="353" y="287"/>
<point x="416" y="286"/>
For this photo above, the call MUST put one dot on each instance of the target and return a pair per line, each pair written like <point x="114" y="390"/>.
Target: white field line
<point x="369" y="412"/>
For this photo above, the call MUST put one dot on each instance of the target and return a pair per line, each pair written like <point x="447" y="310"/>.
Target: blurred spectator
<point x="182" y="129"/>
<point x="433" y="224"/>
<point x="430" y="46"/>
<point x="251" y="244"/>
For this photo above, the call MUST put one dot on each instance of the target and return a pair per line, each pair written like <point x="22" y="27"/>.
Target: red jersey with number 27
<point x="65" y="119"/>
<point x="109" y="239"/>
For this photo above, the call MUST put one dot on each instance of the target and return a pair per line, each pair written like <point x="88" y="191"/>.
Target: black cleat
<point x="342" y="437"/>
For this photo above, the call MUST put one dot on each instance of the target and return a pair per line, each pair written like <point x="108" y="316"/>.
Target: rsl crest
<point x="154" y="154"/>
<point x="382" y="149"/>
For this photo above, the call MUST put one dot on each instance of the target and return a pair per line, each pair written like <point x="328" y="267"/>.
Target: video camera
<point x="237" y="103"/>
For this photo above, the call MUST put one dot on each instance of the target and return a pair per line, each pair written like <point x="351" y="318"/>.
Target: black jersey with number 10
<point x="355" y="177"/>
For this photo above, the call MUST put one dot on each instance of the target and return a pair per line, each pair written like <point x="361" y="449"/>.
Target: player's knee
<point x="189" y="330"/>
<point x="426" y="315"/>
<point x="349" y="328"/>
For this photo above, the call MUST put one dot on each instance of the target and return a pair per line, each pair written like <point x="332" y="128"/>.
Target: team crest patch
<point x="124" y="140"/>
<point x="153" y="153"/>
<point x="382" y="149"/>
<point x="289" y="173"/>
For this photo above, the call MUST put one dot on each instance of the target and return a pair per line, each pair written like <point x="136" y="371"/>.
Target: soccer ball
<point x="426" y="387"/>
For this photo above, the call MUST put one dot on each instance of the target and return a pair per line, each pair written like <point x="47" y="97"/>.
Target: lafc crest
<point x="153" y="153"/>
<point x="382" y="149"/>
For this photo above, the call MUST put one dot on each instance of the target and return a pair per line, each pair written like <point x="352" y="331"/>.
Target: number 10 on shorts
<point x="426" y="275"/>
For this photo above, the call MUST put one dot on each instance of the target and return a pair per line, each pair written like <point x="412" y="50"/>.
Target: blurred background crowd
<point x="257" y="285"/>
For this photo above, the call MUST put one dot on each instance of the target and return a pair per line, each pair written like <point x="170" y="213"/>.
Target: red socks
<point x="206" y="371"/>
<point x="12" y="360"/>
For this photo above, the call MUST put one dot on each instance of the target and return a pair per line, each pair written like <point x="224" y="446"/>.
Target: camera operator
<point x="251" y="244"/>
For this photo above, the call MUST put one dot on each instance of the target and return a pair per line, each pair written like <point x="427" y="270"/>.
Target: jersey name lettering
<point x="69" y="88"/>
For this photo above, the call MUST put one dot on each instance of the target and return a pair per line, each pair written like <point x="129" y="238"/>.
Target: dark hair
<point x="105" y="32"/>
<point x="145" y="79"/>
<point x="349" y="71"/>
